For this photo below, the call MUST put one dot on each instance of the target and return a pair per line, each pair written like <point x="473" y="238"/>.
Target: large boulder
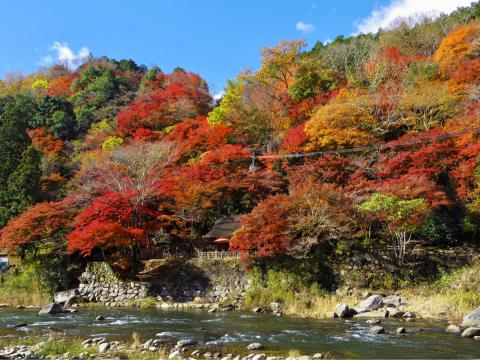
<point x="51" y="309"/>
<point x="343" y="311"/>
<point x="65" y="297"/>
<point x="392" y="300"/>
<point x="373" y="302"/>
<point x="472" y="319"/>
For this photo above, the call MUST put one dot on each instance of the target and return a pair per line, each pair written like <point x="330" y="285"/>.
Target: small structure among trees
<point x="222" y="231"/>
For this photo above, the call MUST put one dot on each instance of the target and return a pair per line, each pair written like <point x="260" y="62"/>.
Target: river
<point x="308" y="336"/>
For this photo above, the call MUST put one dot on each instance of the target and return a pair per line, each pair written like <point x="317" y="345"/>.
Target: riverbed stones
<point x="99" y="318"/>
<point x="187" y="342"/>
<point x="276" y="307"/>
<point x="376" y="330"/>
<point x="454" y="329"/>
<point x="51" y="309"/>
<point x="343" y="311"/>
<point x="103" y="347"/>
<point x="259" y="357"/>
<point x="471" y="332"/>
<point x="258" y="310"/>
<point x="394" y="312"/>
<point x="317" y="356"/>
<point x="372" y="314"/>
<point x="373" y="302"/>
<point x="175" y="355"/>
<point x="472" y="319"/>
<point x="401" y="330"/>
<point x="373" y="321"/>
<point x="255" y="346"/>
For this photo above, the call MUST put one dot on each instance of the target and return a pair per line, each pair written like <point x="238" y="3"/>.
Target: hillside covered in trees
<point x="112" y="158"/>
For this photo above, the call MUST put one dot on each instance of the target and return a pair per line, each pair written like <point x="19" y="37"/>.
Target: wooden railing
<point x="217" y="255"/>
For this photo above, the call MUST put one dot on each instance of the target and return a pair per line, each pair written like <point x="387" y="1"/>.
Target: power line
<point x="357" y="150"/>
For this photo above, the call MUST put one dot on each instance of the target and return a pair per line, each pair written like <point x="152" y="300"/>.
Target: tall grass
<point x="452" y="295"/>
<point x="295" y="294"/>
<point x="23" y="286"/>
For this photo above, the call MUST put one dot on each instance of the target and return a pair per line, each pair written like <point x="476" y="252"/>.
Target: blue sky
<point x="214" y="38"/>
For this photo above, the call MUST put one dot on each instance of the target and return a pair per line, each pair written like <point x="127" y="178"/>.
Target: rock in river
<point x="342" y="311"/>
<point x="376" y="330"/>
<point x="255" y="346"/>
<point x="401" y="330"/>
<point x="372" y="315"/>
<point x="187" y="342"/>
<point x="52" y="308"/>
<point x="472" y="319"/>
<point x="65" y="297"/>
<point x="454" y="329"/>
<point x="471" y="332"/>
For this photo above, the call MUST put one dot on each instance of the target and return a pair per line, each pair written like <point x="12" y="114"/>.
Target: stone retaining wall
<point x="363" y="267"/>
<point x="212" y="281"/>
<point x="100" y="284"/>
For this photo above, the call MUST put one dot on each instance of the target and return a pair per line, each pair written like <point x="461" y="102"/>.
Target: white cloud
<point x="219" y="95"/>
<point x="386" y="15"/>
<point x="304" y="27"/>
<point x="62" y="53"/>
<point x="46" y="60"/>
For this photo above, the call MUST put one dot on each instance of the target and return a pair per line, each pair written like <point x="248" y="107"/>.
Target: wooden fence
<point x="217" y="255"/>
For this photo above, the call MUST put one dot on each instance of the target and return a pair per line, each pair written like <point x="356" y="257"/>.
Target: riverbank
<point x="152" y="333"/>
<point x="99" y="348"/>
<point x="448" y="297"/>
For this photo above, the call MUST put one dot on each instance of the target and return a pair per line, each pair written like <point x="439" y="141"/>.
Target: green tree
<point x="400" y="218"/>
<point x="15" y="116"/>
<point x="23" y="186"/>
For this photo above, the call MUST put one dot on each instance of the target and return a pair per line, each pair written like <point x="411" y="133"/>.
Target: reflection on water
<point x="308" y="336"/>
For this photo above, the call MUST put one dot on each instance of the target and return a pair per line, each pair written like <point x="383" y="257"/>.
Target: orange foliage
<point x="45" y="142"/>
<point x="457" y="46"/>
<point x="61" y="85"/>
<point x="40" y="223"/>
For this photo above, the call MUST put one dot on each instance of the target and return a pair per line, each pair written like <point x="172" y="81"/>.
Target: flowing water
<point x="308" y="336"/>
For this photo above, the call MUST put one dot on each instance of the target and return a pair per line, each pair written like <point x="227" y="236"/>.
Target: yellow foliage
<point x="39" y="84"/>
<point x="349" y="93"/>
<point x="457" y="45"/>
<point x="341" y="125"/>
<point x="427" y="105"/>
<point x="280" y="63"/>
<point x="112" y="143"/>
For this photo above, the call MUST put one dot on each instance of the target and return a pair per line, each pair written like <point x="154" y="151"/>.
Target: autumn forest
<point x="366" y="142"/>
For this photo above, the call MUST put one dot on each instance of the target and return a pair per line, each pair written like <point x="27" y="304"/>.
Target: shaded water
<point x="308" y="336"/>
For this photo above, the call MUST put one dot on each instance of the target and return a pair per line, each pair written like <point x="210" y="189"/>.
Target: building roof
<point x="224" y="227"/>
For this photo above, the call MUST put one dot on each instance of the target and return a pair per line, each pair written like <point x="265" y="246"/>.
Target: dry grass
<point x="319" y="306"/>
<point x="15" y="297"/>
<point x="451" y="296"/>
